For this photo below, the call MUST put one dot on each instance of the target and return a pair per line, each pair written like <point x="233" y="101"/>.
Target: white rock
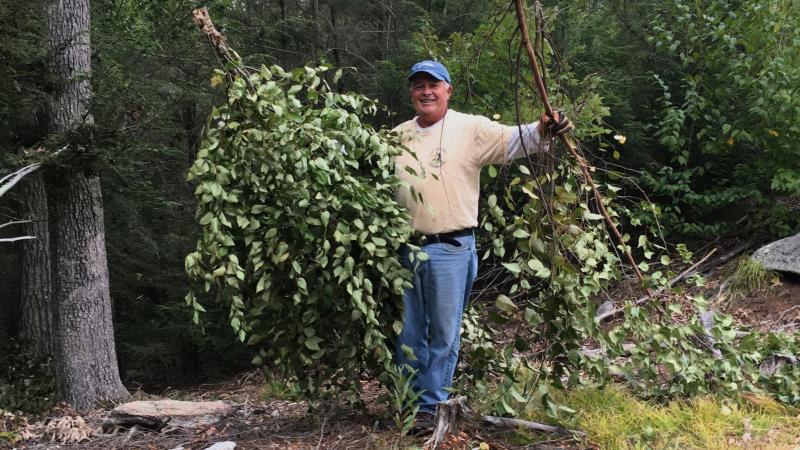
<point x="227" y="445"/>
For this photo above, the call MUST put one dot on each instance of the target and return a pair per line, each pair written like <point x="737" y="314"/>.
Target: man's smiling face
<point x="430" y="97"/>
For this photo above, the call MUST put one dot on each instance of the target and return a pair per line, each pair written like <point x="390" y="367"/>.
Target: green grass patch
<point x="614" y="419"/>
<point x="748" y="276"/>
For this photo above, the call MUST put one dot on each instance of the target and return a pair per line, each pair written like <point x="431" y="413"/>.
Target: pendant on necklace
<point x="438" y="158"/>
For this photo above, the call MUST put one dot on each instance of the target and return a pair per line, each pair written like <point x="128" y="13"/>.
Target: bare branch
<point x="10" y="180"/>
<point x="672" y="282"/>
<point x="15" y="222"/>
<point x="14" y="239"/>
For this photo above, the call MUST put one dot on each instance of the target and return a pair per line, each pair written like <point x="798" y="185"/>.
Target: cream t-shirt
<point x="446" y="172"/>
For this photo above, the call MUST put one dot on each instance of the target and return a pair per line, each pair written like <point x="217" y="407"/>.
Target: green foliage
<point x="24" y="72"/>
<point x="26" y="383"/>
<point x="682" y="358"/>
<point x="300" y="227"/>
<point x="548" y="254"/>
<point x="728" y="112"/>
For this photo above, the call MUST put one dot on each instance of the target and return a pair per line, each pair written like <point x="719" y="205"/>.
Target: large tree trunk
<point x="85" y="355"/>
<point x="86" y="360"/>
<point x="36" y="287"/>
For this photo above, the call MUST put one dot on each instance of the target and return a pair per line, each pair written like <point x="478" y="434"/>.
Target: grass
<point x="614" y="419"/>
<point x="748" y="276"/>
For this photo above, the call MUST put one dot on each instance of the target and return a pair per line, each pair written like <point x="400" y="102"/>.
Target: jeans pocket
<point x="450" y="248"/>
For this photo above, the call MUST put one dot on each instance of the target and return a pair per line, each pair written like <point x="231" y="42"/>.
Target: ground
<point x="266" y="419"/>
<point x="777" y="308"/>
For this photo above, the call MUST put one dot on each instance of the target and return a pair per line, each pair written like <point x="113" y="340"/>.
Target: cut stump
<point x="454" y="414"/>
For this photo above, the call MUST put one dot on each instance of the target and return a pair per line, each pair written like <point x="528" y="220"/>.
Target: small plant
<point x="275" y="388"/>
<point x="748" y="276"/>
<point x="402" y="397"/>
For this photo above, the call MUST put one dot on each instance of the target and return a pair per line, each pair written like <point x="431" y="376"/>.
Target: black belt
<point x="445" y="238"/>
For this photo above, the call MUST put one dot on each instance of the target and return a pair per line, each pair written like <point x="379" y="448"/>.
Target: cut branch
<point x="672" y="282"/>
<point x="232" y="61"/>
<point x="526" y="42"/>
<point x="507" y="422"/>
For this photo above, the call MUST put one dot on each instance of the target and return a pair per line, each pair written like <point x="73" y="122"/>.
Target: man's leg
<point x="444" y="283"/>
<point x="414" y="336"/>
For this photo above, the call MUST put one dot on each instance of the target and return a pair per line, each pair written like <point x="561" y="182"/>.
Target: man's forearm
<point x="526" y="137"/>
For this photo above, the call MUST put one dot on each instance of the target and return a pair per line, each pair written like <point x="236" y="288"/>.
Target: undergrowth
<point x="26" y="383"/>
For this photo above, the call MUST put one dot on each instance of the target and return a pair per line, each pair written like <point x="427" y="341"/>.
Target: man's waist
<point x="448" y="237"/>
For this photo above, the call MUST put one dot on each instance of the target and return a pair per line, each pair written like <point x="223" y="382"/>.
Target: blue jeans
<point x="432" y="314"/>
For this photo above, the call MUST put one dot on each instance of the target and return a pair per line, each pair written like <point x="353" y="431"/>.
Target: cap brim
<point x="433" y="74"/>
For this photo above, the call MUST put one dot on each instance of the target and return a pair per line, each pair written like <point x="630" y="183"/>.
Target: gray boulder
<point x="781" y="256"/>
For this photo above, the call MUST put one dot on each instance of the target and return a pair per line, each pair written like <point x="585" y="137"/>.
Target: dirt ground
<point x="775" y="309"/>
<point x="275" y="424"/>
<point x="260" y="423"/>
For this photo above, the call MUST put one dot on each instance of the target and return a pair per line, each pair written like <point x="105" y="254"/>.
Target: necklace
<point x="437" y="161"/>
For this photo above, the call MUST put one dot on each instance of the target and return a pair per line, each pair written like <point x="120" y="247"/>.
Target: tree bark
<point x="36" y="286"/>
<point x="85" y="356"/>
<point x="70" y="68"/>
<point x="86" y="360"/>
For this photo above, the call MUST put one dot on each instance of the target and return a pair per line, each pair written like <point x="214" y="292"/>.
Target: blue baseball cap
<point x="432" y="68"/>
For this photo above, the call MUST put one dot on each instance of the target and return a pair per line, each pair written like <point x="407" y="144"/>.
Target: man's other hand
<point x="554" y="125"/>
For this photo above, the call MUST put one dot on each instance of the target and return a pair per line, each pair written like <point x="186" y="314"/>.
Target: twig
<point x="14" y="222"/>
<point x="736" y="251"/>
<point x="8" y="181"/>
<point x="691" y="268"/>
<point x="14" y="239"/>
<point x="672" y="282"/>
<point x="322" y="432"/>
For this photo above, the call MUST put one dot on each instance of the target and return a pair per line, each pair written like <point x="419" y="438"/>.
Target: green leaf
<point x="512" y="267"/>
<point x="505" y="304"/>
<point x="312" y="343"/>
<point x="539" y="268"/>
<point x="591" y="216"/>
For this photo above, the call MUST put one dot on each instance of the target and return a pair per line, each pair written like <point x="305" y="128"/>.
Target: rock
<point x="781" y="256"/>
<point x="158" y="414"/>
<point x="605" y="308"/>
<point x="227" y="445"/>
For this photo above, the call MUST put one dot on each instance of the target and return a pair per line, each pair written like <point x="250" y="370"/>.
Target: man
<point x="449" y="148"/>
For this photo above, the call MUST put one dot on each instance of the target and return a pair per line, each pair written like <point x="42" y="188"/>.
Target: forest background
<point x="693" y="103"/>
